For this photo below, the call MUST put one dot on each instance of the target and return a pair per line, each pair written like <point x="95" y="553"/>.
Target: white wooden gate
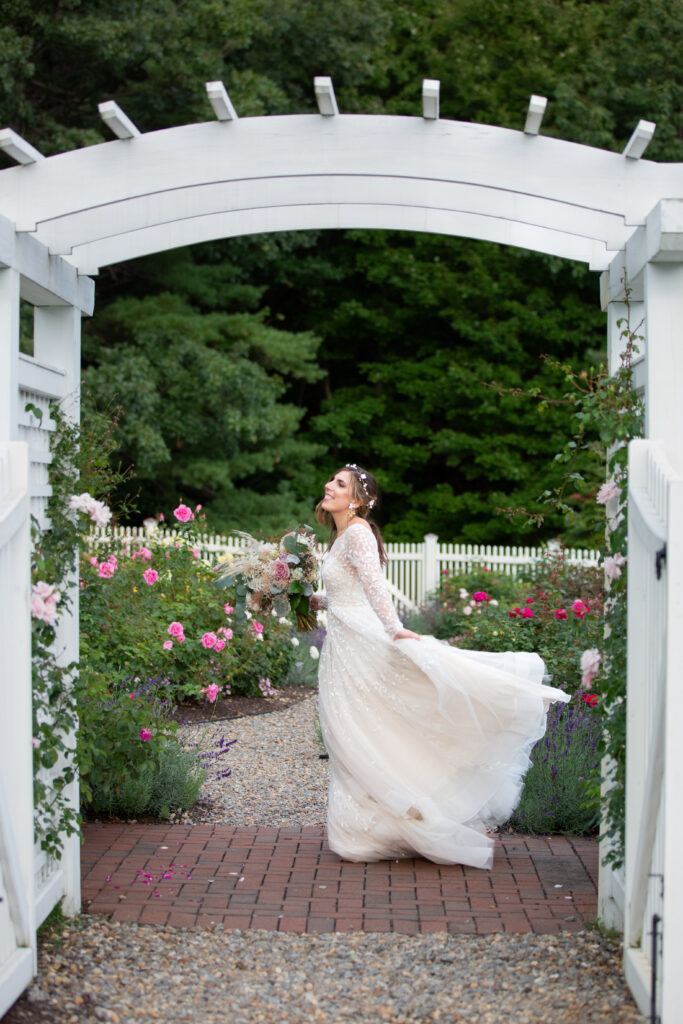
<point x="17" y="950"/>
<point x="653" y="934"/>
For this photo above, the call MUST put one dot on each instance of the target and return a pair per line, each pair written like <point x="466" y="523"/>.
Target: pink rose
<point x="607" y="492"/>
<point x="579" y="609"/>
<point x="228" y="608"/>
<point x="227" y="633"/>
<point x="529" y="600"/>
<point x="175" y="629"/>
<point x="257" y="626"/>
<point x="467" y="610"/>
<point x="105" y="571"/>
<point x="480" y="595"/>
<point x="145" y="735"/>
<point x="168" y="645"/>
<point x="44" y="599"/>
<point x="527" y="613"/>
<point x="612" y="566"/>
<point x="590" y="698"/>
<point x="211" y="692"/>
<point x="195" y="553"/>
<point x="219" y="645"/>
<point x="590" y="666"/>
<point x="113" y="562"/>
<point x="183" y="513"/>
<point x="198" y="508"/>
<point x="150" y="576"/>
<point x="281" y="570"/>
<point x="560" y="613"/>
<point x="93" y="560"/>
<point x="209" y="640"/>
<point x="512" y="614"/>
<point x="144" y="553"/>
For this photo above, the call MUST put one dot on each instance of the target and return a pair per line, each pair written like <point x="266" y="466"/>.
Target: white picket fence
<point x="413" y="571"/>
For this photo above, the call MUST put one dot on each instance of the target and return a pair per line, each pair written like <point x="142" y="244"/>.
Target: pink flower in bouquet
<point x="211" y="692"/>
<point x="480" y="595"/>
<point x="150" y="576"/>
<point x="281" y="570"/>
<point x="612" y="566"/>
<point x="144" y="553"/>
<point x="527" y="613"/>
<point x="580" y="609"/>
<point x="607" y="492"/>
<point x="257" y="626"/>
<point x="145" y="735"/>
<point x="219" y="645"/>
<point x="228" y="609"/>
<point x="209" y="640"/>
<point x="168" y="645"/>
<point x="106" y="571"/>
<point x="183" y="513"/>
<point x="560" y="613"/>
<point x="176" y="630"/>
<point x="590" y="666"/>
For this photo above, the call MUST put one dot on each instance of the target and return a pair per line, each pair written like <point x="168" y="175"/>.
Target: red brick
<point x="153" y="915"/>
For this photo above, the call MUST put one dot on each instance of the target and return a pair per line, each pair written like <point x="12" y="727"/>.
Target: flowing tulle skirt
<point x="428" y="743"/>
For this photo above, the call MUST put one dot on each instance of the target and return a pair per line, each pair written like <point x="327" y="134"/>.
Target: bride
<point x="428" y="744"/>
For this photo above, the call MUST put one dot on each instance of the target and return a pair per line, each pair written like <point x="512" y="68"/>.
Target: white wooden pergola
<point x="64" y="217"/>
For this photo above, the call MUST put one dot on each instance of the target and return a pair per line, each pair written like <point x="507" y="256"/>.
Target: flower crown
<point x="360" y="475"/>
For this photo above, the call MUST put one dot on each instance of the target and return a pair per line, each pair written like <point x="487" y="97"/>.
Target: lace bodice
<point x="353" y="576"/>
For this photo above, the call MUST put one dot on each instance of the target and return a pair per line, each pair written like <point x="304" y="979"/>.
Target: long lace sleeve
<point x="364" y="556"/>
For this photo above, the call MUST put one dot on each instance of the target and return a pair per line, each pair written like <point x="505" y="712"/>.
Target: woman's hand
<point x="406" y="634"/>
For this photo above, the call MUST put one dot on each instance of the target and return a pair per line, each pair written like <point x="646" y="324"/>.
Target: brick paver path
<point x="288" y="880"/>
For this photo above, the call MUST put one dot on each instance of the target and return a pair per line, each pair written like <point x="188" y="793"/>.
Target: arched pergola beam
<point x="160" y="237"/>
<point x="90" y="201"/>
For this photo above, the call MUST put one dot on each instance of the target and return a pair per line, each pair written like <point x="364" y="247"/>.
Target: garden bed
<point x="238" y="706"/>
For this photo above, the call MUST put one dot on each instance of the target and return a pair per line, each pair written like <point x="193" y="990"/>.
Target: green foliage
<point x="169" y="781"/>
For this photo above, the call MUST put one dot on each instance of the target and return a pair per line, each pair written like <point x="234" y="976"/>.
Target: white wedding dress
<point x="428" y="743"/>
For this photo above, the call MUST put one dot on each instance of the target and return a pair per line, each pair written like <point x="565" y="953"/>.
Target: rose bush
<point x="554" y="609"/>
<point x="156" y="612"/>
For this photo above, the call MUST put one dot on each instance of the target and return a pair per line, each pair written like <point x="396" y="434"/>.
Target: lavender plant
<point x="557" y="795"/>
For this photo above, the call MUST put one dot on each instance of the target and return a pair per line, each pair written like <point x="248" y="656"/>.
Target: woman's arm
<point x="364" y="556"/>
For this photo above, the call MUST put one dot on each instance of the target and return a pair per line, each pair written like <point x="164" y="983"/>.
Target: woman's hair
<point x="365" y="494"/>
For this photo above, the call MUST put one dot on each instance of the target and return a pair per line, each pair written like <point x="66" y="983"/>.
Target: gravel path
<point x="95" y="970"/>
<point x="277" y="775"/>
<point x="122" y="972"/>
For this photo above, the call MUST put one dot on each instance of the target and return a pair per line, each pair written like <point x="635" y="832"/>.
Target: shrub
<point x="156" y="611"/>
<point x="557" y="795"/>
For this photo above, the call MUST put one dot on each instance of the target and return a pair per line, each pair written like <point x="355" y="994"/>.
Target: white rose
<point x="294" y="641"/>
<point x="493" y="601"/>
<point x="314" y="653"/>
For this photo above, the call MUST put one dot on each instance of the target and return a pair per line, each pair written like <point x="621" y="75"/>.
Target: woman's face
<point x="338" y="492"/>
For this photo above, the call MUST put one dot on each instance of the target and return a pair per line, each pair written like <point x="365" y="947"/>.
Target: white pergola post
<point x="663" y="286"/>
<point x="57" y="342"/>
<point x="9" y="352"/>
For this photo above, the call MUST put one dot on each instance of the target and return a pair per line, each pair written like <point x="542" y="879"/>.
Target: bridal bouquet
<point x="279" y="576"/>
